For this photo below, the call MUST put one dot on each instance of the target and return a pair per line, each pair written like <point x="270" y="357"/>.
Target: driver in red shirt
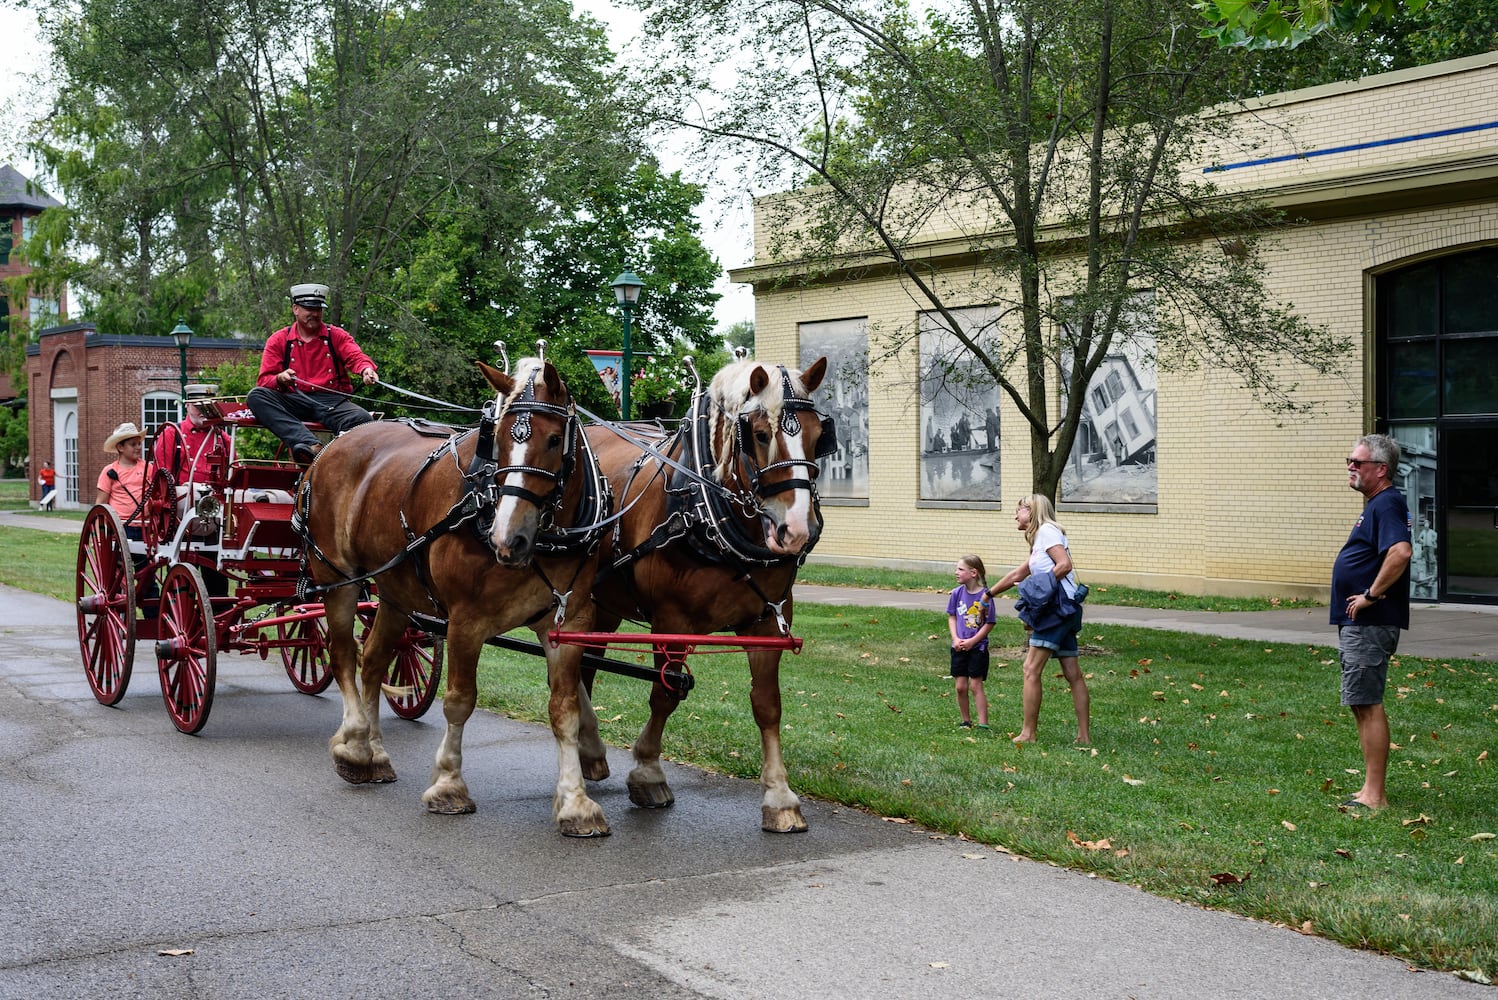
<point x="306" y="374"/>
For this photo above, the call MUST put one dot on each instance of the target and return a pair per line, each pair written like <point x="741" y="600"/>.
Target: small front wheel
<point x="186" y="648"/>
<point x="304" y="652"/>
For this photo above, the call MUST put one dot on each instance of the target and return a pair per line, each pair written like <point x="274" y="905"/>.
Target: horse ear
<point x="553" y="381"/>
<point x="758" y="379"/>
<point x="812" y="377"/>
<point x="503" y="383"/>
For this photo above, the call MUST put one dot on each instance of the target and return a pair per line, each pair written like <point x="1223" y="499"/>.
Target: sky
<point x="727" y="230"/>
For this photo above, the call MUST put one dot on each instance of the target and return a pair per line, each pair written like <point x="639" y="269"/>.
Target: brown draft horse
<point x="715" y="551"/>
<point x="505" y="511"/>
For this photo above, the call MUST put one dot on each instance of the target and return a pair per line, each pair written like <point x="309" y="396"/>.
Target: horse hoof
<point x="354" y="774"/>
<point x="382" y="772"/>
<point x="774" y="820"/>
<point x="596" y="827"/>
<point x="653" y="795"/>
<point x="596" y="770"/>
<point x="450" y="807"/>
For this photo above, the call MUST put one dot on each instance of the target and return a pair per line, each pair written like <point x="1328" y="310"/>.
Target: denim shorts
<point x="1061" y="640"/>
<point x="1365" y="652"/>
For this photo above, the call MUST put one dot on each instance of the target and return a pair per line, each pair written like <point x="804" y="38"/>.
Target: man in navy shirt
<point x="1371" y="603"/>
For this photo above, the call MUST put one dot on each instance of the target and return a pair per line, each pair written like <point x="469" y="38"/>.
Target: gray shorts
<point x="1365" y="652"/>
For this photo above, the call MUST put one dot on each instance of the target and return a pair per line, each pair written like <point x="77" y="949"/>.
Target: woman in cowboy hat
<point x="122" y="484"/>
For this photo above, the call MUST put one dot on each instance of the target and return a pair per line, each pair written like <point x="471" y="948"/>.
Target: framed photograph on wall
<point x="1112" y="460"/>
<point x="843" y="395"/>
<point x="959" y="410"/>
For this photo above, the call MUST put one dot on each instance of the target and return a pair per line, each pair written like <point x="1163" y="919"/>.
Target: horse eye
<point x="554" y="442"/>
<point x="763" y="437"/>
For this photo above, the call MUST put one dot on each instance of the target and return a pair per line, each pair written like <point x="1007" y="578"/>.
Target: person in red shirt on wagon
<point x="306" y="374"/>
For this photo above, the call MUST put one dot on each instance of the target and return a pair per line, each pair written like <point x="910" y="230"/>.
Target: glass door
<point x="1470" y="464"/>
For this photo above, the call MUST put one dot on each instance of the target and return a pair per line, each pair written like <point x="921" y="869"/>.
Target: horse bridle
<point x="790" y="424"/>
<point x="484" y="473"/>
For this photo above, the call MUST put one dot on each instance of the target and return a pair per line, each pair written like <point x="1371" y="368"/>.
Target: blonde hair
<point x="976" y="564"/>
<point x="1041" y="512"/>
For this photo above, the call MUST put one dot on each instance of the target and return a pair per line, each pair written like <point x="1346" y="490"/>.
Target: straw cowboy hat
<point x="124" y="432"/>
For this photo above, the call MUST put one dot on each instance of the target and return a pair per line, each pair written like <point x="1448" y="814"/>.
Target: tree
<point x="1288" y="23"/>
<point x="1029" y="127"/>
<point x="741" y="334"/>
<point x="453" y="170"/>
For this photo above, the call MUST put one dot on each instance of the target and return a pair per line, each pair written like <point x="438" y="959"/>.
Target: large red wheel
<point x="106" y="605"/>
<point x="159" y="511"/>
<point x="187" y="648"/>
<point x="304" y="652"/>
<point x="414" y="674"/>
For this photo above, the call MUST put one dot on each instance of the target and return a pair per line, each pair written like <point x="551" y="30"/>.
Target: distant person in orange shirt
<point x="47" y="477"/>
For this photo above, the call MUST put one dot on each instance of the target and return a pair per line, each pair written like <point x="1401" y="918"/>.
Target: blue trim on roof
<point x="1398" y="140"/>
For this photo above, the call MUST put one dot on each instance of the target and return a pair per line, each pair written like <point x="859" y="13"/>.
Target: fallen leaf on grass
<point x="1422" y="818"/>
<point x="1473" y="976"/>
<point x="1132" y="781"/>
<point x="1089" y="845"/>
<point x="1228" y="878"/>
<point x="1342" y="852"/>
<point x="1481" y="836"/>
<point x="896" y="819"/>
<point x="1483" y="755"/>
<point x="1326" y="785"/>
<point x="1287" y="825"/>
<point x="1274" y="791"/>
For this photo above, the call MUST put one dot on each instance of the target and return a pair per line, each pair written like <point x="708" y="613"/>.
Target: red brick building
<point x="82" y="384"/>
<point x="21" y="201"/>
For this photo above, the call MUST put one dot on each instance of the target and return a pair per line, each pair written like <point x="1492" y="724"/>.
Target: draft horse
<point x="487" y="531"/>
<point x="713" y="526"/>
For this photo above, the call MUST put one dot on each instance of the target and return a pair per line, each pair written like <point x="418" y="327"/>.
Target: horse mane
<point x="522" y="373"/>
<point x="731" y="398"/>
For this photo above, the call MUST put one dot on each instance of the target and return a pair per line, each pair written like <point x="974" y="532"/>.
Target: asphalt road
<point x="123" y="842"/>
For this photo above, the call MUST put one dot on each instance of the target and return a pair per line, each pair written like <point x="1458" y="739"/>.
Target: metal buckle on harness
<point x="780" y="622"/>
<point x="561" y="613"/>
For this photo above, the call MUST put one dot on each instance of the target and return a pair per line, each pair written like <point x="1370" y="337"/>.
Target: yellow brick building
<point x="1395" y="181"/>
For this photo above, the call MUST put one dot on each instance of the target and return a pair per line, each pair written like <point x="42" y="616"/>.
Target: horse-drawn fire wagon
<point x="171" y="585"/>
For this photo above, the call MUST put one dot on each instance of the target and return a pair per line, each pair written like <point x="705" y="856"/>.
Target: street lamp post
<point x="627" y="293"/>
<point x="182" y="335"/>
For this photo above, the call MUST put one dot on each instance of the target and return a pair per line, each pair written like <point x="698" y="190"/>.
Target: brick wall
<point x="108" y="376"/>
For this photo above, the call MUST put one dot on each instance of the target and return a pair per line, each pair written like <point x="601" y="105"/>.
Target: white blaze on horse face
<point x="794" y="529"/>
<point x="515" y="518"/>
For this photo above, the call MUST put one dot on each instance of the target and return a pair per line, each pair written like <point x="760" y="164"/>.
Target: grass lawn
<point x="1214" y="777"/>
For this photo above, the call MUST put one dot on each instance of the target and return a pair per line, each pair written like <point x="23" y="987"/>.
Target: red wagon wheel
<point x="415" y="674"/>
<point x="159" y="510"/>
<point x="304" y="652"/>
<point x="187" y="648"/>
<point x="106" y="605"/>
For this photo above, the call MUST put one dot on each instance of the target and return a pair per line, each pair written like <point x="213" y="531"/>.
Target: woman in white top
<point x="1048" y="554"/>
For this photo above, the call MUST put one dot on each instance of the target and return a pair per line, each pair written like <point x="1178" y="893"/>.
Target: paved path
<point x="138" y="862"/>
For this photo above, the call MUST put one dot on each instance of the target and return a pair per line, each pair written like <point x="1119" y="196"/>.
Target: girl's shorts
<point x="1061" y="640"/>
<point x="970" y="663"/>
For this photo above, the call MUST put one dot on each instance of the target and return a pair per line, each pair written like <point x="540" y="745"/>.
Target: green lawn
<point x="1214" y="777"/>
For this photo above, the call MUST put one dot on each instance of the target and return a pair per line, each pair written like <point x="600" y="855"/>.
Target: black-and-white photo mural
<point x="1113" y="457"/>
<point x="959" y="410"/>
<point x="844" y="396"/>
